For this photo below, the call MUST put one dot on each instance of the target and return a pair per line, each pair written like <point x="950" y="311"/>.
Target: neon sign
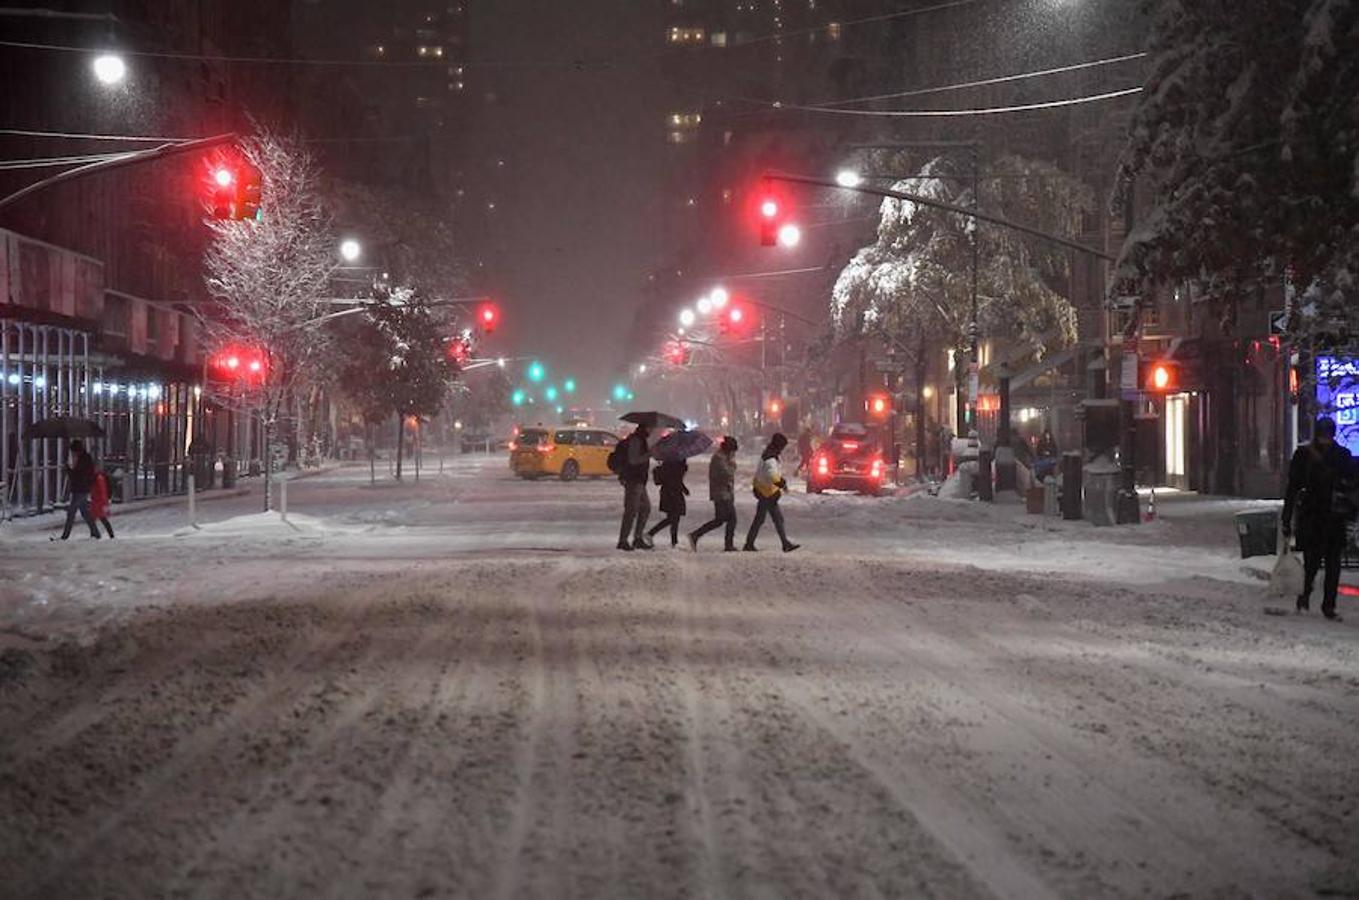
<point x="1338" y="397"/>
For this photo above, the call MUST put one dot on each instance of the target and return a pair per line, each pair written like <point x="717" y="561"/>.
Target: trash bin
<point x="1102" y="479"/>
<point x="1258" y="530"/>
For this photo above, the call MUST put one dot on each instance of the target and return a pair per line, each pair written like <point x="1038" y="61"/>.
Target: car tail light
<point x="850" y="445"/>
<point x="877" y="468"/>
<point x="823" y="465"/>
<point x="544" y="448"/>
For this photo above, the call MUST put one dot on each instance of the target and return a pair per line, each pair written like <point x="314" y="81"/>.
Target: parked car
<point x="568" y="453"/>
<point x="850" y="459"/>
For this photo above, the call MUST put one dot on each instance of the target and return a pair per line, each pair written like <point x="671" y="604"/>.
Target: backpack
<point x="618" y="457"/>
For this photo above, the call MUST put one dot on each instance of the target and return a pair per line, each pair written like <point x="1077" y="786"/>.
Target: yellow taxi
<point x="567" y="452"/>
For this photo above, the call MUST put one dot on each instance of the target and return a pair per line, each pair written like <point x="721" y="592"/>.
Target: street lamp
<point x="686" y="318"/>
<point x="848" y="178"/>
<point x="719" y="297"/>
<point x="705" y="305"/>
<point x="109" y="69"/>
<point x="790" y="235"/>
<point x="350" y="250"/>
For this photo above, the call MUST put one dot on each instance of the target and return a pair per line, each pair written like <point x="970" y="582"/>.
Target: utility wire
<point x="946" y="113"/>
<point x="49" y="162"/>
<point x="81" y="136"/>
<point x="985" y="82"/>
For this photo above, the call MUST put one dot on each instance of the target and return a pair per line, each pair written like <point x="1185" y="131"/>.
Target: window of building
<point x="719" y="39"/>
<point x="833" y="31"/>
<point x="727" y="195"/>
<point x="680" y="137"/>
<point x="685" y="119"/>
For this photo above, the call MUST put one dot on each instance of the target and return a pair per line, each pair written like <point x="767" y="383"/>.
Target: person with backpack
<point x="1321" y="493"/>
<point x="722" y="492"/>
<point x="670" y="476"/>
<point x="80" y="479"/>
<point x="99" y="501"/>
<point x="631" y="461"/>
<point x="769" y="486"/>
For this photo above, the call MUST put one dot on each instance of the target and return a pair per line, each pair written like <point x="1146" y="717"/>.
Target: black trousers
<point x="79" y="503"/>
<point x="671" y="521"/>
<point x="767" y="506"/>
<point x="1324" y="548"/>
<point x="724" y="513"/>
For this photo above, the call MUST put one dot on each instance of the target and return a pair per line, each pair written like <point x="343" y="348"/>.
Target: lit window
<point x="833" y="31"/>
<point x="687" y="120"/>
<point x="422" y="51"/>
<point x="680" y="137"/>
<point x="688" y="36"/>
<point x="727" y="195"/>
<point x="719" y="39"/>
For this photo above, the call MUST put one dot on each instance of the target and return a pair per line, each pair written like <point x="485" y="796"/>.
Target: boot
<point x="693" y="542"/>
<point x="790" y="547"/>
<point x="624" y="545"/>
<point x="1303" y="603"/>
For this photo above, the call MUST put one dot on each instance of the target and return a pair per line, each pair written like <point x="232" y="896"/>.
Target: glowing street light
<point x="350" y="250"/>
<point x="686" y="318"/>
<point x="705" y="305"/>
<point x="109" y="69"/>
<point x="790" y="235"/>
<point x="641" y="369"/>
<point x="848" y="178"/>
<point x="718" y="296"/>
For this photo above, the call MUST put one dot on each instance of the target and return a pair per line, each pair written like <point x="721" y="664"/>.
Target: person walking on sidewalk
<point x="670" y="476"/>
<point x="633" y="473"/>
<point x="805" y="450"/>
<point x="769" y="486"/>
<point x="99" y="501"/>
<point x="80" y="478"/>
<point x="722" y="492"/>
<point x="1321" y="490"/>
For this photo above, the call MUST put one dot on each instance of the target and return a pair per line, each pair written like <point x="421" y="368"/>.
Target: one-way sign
<point x="1278" y="321"/>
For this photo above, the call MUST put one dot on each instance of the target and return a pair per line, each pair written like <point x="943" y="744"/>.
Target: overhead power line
<point x="985" y="82"/>
<point x="947" y="113"/>
<point x="53" y="161"/>
<point x="141" y="138"/>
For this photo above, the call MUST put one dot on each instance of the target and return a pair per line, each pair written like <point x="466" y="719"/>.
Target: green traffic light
<point x="620" y="392"/>
<point x="551" y="393"/>
<point x="517" y="398"/>
<point x="536" y="371"/>
<point x="569" y="385"/>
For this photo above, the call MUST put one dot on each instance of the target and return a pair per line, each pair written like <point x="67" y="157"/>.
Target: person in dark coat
<point x="769" y="485"/>
<point x="805" y="450"/>
<point x="722" y="492"/>
<point x="1321" y="479"/>
<point x="633" y="475"/>
<point x="80" y="474"/>
<point x="670" y="476"/>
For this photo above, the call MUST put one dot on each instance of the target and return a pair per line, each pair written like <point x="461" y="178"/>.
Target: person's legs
<point x="1334" y="550"/>
<point x="761" y="510"/>
<point x="643" y="513"/>
<point x="629" y="512"/>
<point x="70" y="518"/>
<point x="727" y="511"/>
<point x="670" y="521"/>
<point x="777" y="515"/>
<point x="108" y="525"/>
<point x="1312" y="554"/>
<point x="89" y="518"/>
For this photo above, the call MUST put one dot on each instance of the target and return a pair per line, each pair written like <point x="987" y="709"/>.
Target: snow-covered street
<point x="459" y="688"/>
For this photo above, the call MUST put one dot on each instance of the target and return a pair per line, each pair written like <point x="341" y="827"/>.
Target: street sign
<point x="1278" y="321"/>
<point x="1127" y="374"/>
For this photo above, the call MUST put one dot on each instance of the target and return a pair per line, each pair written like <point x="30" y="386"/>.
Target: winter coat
<point x="670" y="476"/>
<point x="636" y="461"/>
<point x="768" y="481"/>
<point x="99" y="497"/>
<point x="722" y="477"/>
<point x="1320" y="486"/>
<point x="81" y="475"/>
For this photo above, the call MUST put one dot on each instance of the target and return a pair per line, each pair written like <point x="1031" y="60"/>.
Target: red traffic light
<point x="769" y="208"/>
<point x="488" y="317"/>
<point x="879" y="406"/>
<point x="234" y="364"/>
<point x="223" y="176"/>
<point x="235" y="189"/>
<point x="1160" y="377"/>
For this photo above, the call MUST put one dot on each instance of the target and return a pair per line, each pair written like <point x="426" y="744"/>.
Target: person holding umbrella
<point x="80" y="477"/>
<point x="769" y="486"/>
<point x="633" y="471"/>
<point x="670" y="476"/>
<point x="722" y="492"/>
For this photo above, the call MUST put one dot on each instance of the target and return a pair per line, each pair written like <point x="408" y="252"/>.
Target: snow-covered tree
<point x="271" y="277"/>
<point x="1248" y="135"/>
<point x="398" y="362"/>
<point x="913" y="285"/>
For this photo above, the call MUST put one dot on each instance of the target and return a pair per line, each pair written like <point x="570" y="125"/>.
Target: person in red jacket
<point x="99" y="501"/>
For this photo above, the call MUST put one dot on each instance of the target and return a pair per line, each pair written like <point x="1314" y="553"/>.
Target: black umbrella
<point x="63" y="427"/>
<point x="652" y="419"/>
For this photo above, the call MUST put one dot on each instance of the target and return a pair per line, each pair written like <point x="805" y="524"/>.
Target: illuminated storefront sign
<point x="1338" y="396"/>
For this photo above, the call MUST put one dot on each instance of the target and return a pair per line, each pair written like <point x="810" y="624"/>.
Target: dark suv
<point x="850" y="459"/>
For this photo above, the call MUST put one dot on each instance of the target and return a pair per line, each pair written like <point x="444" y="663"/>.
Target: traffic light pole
<point x="136" y="157"/>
